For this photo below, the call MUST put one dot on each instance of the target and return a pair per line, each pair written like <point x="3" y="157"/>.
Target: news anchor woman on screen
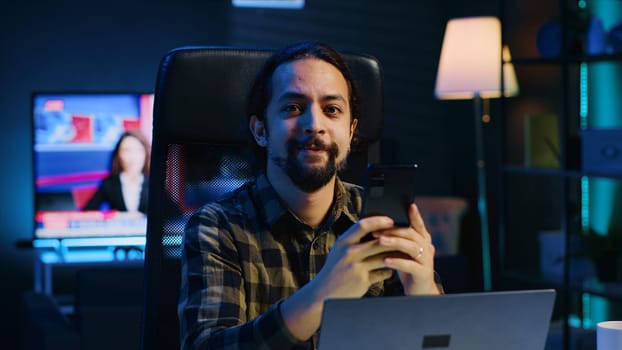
<point x="126" y="187"/>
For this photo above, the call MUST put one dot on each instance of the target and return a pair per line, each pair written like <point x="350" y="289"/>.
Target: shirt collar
<point x="269" y="202"/>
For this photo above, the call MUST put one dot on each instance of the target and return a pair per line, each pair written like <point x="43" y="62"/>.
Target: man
<point x="258" y="264"/>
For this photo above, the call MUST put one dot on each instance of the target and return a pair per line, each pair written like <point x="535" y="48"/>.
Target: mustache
<point x="294" y="144"/>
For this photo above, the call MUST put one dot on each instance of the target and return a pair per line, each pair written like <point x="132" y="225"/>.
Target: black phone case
<point x="390" y="189"/>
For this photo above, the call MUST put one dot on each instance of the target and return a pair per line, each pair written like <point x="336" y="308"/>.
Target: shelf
<point x="575" y="88"/>
<point x="517" y="169"/>
<point x="611" y="290"/>
<point x="569" y="59"/>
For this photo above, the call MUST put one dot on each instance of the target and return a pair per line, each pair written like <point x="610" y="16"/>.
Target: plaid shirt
<point x="246" y="253"/>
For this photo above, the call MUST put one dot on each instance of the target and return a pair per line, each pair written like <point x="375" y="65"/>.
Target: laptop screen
<point x="511" y="320"/>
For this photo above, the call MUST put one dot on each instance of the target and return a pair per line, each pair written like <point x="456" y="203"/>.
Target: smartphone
<point x="389" y="190"/>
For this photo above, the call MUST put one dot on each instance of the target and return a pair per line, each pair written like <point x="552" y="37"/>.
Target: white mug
<point x="609" y="335"/>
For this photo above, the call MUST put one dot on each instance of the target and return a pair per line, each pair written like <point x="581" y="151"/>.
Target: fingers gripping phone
<point x="389" y="190"/>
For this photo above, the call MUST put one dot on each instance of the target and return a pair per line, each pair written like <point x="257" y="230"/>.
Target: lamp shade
<point x="510" y="82"/>
<point x="470" y="62"/>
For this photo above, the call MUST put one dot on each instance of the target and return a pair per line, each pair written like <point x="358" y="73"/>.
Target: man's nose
<point x="312" y="120"/>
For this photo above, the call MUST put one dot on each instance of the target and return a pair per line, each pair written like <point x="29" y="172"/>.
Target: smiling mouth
<point x="309" y="150"/>
<point x="312" y="148"/>
<point x="312" y="154"/>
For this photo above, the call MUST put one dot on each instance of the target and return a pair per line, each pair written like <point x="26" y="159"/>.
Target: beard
<point x="309" y="179"/>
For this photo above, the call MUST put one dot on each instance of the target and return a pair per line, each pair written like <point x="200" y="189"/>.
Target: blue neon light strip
<point x="89" y="242"/>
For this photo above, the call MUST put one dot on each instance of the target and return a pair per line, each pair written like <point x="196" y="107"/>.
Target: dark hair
<point x="260" y="92"/>
<point x="115" y="162"/>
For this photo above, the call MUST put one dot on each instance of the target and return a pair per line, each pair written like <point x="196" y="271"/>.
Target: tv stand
<point x="53" y="256"/>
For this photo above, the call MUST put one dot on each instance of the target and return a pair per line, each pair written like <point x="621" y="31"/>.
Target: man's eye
<point x="332" y="110"/>
<point x="292" y="108"/>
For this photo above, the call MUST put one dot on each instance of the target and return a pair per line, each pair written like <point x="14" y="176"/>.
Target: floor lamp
<point x="470" y="69"/>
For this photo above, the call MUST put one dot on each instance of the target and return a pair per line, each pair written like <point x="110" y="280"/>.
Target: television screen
<point x="75" y="136"/>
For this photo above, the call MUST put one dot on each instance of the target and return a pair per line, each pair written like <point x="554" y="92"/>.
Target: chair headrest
<point x="201" y="94"/>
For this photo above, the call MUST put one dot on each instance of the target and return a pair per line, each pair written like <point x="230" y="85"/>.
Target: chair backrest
<point x="201" y="149"/>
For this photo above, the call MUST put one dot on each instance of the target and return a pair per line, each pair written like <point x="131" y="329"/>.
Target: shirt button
<point x="316" y="245"/>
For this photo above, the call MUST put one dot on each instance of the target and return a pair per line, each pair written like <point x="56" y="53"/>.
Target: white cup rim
<point x="610" y="325"/>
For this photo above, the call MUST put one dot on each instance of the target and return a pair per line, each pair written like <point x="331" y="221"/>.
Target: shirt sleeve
<point x="212" y="306"/>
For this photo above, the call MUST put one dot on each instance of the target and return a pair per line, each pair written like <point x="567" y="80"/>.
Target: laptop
<point x="508" y="320"/>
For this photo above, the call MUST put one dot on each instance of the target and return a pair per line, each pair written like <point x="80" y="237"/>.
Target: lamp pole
<point x="482" y="202"/>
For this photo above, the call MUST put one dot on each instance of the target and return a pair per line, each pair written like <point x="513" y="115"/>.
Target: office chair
<point x="202" y="149"/>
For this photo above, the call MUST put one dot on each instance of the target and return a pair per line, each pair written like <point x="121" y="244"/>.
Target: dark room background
<point x="116" y="45"/>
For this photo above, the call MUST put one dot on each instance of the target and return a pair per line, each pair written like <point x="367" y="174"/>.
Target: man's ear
<point x="258" y="129"/>
<point x="353" y="126"/>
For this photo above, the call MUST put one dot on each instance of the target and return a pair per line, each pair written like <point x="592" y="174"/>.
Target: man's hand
<point x="352" y="265"/>
<point x="414" y="254"/>
<point x="351" y="268"/>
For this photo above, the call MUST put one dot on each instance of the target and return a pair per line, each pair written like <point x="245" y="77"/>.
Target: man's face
<point x="308" y="122"/>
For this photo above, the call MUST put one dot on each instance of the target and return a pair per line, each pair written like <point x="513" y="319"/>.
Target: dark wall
<point x="116" y="45"/>
<point x="406" y="38"/>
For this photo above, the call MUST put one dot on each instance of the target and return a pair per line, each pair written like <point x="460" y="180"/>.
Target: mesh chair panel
<point x="196" y="174"/>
